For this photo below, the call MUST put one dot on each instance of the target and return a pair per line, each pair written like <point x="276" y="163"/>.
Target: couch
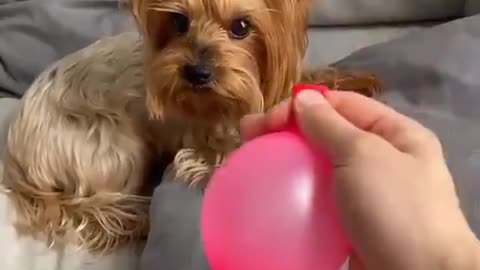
<point x="339" y="27"/>
<point x="34" y="33"/>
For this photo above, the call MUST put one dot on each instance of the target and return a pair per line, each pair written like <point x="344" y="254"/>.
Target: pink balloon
<point x="271" y="207"/>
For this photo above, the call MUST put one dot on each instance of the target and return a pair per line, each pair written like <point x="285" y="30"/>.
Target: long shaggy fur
<point x="81" y="147"/>
<point x="78" y="151"/>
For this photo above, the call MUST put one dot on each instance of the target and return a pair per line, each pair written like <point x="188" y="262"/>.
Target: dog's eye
<point x="181" y="23"/>
<point x="240" y="28"/>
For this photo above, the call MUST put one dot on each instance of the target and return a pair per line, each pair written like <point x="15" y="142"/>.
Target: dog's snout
<point x="198" y="75"/>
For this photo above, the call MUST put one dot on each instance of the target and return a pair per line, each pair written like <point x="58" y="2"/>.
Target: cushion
<point x="348" y="12"/>
<point x="330" y="44"/>
<point x="430" y="75"/>
<point x="36" y="33"/>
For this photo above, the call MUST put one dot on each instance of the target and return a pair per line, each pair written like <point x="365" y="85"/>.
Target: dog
<point x="81" y="149"/>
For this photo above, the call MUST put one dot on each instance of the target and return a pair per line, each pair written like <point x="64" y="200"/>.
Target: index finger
<point x="258" y="124"/>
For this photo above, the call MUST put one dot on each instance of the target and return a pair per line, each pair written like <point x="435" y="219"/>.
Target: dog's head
<point x="217" y="60"/>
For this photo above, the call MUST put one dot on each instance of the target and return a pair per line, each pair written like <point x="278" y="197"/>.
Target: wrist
<point x="452" y="246"/>
<point x="458" y="250"/>
<point x="461" y="255"/>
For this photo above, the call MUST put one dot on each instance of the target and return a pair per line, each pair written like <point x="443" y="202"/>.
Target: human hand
<point x="395" y="194"/>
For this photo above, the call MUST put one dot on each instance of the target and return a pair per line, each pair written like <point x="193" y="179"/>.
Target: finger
<point x="325" y="127"/>
<point x="252" y="126"/>
<point x="357" y="109"/>
<point x="404" y="133"/>
<point x="276" y="119"/>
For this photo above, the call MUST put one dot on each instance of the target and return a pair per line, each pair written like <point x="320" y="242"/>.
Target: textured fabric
<point x="431" y="75"/>
<point x="348" y="12"/>
<point x="330" y="44"/>
<point x="35" y="33"/>
<point x="174" y="241"/>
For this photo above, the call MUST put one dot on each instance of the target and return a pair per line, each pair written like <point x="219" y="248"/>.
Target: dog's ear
<point x="135" y="7"/>
<point x="285" y="45"/>
<point x="138" y="9"/>
<point x="150" y="22"/>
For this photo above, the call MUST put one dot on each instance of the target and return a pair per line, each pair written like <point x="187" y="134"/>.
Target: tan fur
<point x="77" y="152"/>
<point x="80" y="149"/>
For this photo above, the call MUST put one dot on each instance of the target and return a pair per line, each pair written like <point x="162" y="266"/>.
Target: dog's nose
<point x="198" y="75"/>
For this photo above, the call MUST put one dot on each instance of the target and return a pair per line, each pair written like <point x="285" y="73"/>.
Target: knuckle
<point x="432" y="140"/>
<point x="426" y="137"/>
<point x="431" y="136"/>
<point x="361" y="144"/>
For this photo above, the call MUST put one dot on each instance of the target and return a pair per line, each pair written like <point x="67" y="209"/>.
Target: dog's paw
<point x="192" y="168"/>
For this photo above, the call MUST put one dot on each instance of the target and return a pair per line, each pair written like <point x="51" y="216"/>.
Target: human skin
<point x="395" y="194"/>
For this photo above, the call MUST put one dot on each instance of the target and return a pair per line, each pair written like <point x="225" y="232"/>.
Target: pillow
<point x="431" y="75"/>
<point x="36" y="33"/>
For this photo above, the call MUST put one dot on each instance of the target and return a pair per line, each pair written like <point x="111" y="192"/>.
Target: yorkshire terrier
<point x="81" y="147"/>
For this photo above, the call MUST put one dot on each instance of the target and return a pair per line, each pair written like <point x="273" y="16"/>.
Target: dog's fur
<point x="81" y="147"/>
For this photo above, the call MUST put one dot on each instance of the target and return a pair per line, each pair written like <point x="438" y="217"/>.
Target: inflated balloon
<point x="271" y="207"/>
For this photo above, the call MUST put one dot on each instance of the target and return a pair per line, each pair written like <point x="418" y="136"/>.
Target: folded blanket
<point x="36" y="33"/>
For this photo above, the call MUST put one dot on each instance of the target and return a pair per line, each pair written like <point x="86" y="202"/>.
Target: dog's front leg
<point x="196" y="169"/>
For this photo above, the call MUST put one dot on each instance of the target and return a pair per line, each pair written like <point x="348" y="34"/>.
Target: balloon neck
<point x="292" y="127"/>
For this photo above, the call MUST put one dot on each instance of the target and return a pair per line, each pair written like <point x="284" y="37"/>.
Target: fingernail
<point x="309" y="98"/>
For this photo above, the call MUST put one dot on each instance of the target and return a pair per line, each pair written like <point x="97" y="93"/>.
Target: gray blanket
<point x="35" y="33"/>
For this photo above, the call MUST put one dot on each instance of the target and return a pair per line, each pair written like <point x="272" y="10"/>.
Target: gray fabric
<point x="174" y="241"/>
<point x="330" y="44"/>
<point x="35" y="33"/>
<point x="348" y="12"/>
<point x="431" y="75"/>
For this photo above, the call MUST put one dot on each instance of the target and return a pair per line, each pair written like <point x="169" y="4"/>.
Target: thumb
<point x="323" y="126"/>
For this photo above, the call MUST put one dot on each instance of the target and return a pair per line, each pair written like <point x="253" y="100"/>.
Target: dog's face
<point x="214" y="61"/>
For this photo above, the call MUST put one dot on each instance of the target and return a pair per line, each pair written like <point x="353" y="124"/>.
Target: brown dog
<point x="81" y="147"/>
